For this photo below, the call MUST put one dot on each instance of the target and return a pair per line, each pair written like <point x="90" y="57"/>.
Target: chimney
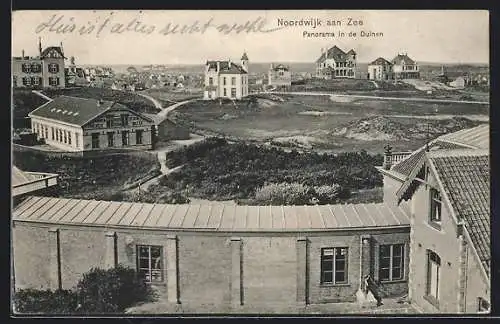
<point x="272" y="66"/>
<point x="99" y="102"/>
<point x="62" y="50"/>
<point x="387" y="158"/>
<point x="229" y="62"/>
<point x="22" y="54"/>
<point x="40" y="45"/>
<point x="218" y="66"/>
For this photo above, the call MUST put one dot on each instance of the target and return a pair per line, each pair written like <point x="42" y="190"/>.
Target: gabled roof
<point x="335" y="53"/>
<point x="227" y="67"/>
<point x="55" y="48"/>
<point x="380" y="61"/>
<point x="402" y="58"/>
<point x="281" y="67"/>
<point x="212" y="216"/>
<point x="74" y="110"/>
<point x="474" y="138"/>
<point x="464" y="178"/>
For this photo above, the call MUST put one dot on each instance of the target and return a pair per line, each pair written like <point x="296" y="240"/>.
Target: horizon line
<point x="277" y="61"/>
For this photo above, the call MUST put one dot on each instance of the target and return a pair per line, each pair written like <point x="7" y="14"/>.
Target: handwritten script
<point x="110" y="24"/>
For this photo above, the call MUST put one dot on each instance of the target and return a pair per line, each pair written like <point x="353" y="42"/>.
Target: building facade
<point x="280" y="77"/>
<point x="380" y="69"/>
<point x="41" y="71"/>
<point x="81" y="124"/>
<point x="405" y="68"/>
<point x="444" y="188"/>
<point x="226" y="79"/>
<point x="335" y="63"/>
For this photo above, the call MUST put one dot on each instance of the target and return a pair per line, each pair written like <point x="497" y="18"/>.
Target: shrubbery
<point x="215" y="169"/>
<point x="298" y="194"/>
<point x="98" y="292"/>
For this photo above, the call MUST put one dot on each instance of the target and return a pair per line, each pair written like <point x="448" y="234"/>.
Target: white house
<point x="81" y="124"/>
<point x="226" y="79"/>
<point x="335" y="63"/>
<point x="380" y="69"/>
<point x="405" y="68"/>
<point x="458" y="83"/>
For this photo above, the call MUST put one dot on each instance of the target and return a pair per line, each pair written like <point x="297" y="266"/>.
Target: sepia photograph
<point x="250" y="163"/>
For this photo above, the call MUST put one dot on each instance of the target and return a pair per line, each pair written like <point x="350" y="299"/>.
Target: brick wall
<point x="271" y="270"/>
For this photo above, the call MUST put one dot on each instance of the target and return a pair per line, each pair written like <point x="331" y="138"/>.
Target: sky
<point x="138" y="37"/>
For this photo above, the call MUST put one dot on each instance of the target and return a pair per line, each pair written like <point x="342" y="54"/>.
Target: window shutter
<point x="57" y="81"/>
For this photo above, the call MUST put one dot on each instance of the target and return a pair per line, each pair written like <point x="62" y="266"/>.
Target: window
<point x="60" y="135"/>
<point x="57" y="135"/>
<point x="69" y="138"/>
<point x="210" y="81"/>
<point x="334" y="265"/>
<point x="225" y="92"/>
<point x="53" y="81"/>
<point x="46" y="132"/>
<point x="233" y="80"/>
<point x="124" y="138"/>
<point x="77" y="140"/>
<point x="36" y="68"/>
<point x="391" y="266"/>
<point x="26" y="68"/>
<point x="233" y="92"/>
<point x="53" y="67"/>
<point x="435" y="206"/>
<point x="111" y="139"/>
<point x="138" y="136"/>
<point x="109" y="122"/>
<point x="483" y="305"/>
<point x="26" y="81"/>
<point x="149" y="263"/>
<point x="95" y="140"/>
<point x="433" y="265"/>
<point x="224" y="80"/>
<point x="124" y="118"/>
<point x="14" y="81"/>
<point x="52" y="131"/>
<point x="65" y="138"/>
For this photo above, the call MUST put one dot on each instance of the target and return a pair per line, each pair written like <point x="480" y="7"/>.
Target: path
<point x="162" y="115"/>
<point x="41" y="95"/>
<point x="377" y="97"/>
<point x="375" y="84"/>
<point x="157" y="104"/>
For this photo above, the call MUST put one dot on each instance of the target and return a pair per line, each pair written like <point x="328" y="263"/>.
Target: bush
<point x="32" y="301"/>
<point x="284" y="194"/>
<point x="327" y="194"/>
<point x="111" y="291"/>
<point x="98" y="292"/>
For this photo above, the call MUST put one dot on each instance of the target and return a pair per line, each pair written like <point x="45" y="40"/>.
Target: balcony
<point x="396" y="157"/>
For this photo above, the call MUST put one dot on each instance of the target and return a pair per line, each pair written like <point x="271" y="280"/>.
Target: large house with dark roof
<point x="444" y="188"/>
<point x="41" y="71"/>
<point x="404" y="67"/>
<point x="82" y="124"/>
<point x="335" y="63"/>
<point x="226" y="79"/>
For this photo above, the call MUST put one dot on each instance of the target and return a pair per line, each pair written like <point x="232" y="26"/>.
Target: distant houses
<point x="401" y="67"/>
<point x="81" y="124"/>
<point x="335" y="63"/>
<point x="226" y="79"/>
<point x="279" y="77"/>
<point x="41" y="71"/>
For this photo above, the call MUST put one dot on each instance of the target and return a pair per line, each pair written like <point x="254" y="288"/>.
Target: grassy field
<point x="318" y="121"/>
<point x="129" y="99"/>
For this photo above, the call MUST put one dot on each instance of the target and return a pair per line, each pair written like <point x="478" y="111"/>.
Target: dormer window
<point x="435" y="206"/>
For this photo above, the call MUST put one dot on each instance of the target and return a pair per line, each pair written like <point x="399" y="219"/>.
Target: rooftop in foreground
<point x="210" y="217"/>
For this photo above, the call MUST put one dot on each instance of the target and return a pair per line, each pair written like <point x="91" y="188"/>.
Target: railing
<point x="42" y="181"/>
<point x="396" y="157"/>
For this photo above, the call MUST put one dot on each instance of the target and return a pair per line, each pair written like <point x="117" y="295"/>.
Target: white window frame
<point x="391" y="262"/>
<point x="431" y="291"/>
<point x="153" y="265"/>
<point x="332" y="251"/>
